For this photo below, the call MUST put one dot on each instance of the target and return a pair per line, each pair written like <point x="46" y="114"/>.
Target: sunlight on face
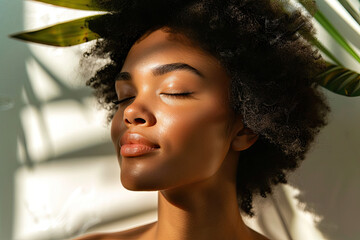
<point x="176" y="96"/>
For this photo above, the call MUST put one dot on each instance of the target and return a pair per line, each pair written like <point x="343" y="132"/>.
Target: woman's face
<point x="190" y="130"/>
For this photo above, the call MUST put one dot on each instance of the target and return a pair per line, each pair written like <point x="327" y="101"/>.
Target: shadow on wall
<point x="329" y="177"/>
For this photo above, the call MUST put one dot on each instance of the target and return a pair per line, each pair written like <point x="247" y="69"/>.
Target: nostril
<point x="139" y="120"/>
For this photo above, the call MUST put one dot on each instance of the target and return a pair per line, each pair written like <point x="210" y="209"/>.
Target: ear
<point x="244" y="139"/>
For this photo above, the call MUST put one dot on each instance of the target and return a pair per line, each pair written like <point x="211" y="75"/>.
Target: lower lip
<point x="134" y="150"/>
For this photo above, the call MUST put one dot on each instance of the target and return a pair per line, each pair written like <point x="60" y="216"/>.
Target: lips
<point x="135" y="144"/>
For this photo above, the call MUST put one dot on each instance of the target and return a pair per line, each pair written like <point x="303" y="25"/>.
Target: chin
<point x="140" y="183"/>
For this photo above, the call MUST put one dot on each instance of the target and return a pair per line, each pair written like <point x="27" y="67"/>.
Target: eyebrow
<point x="163" y="69"/>
<point x="123" y="76"/>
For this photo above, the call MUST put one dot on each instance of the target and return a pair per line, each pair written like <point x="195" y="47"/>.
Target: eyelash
<point x="118" y="102"/>
<point x="177" y="95"/>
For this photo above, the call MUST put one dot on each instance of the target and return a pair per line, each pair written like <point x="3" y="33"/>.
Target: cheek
<point x="196" y="137"/>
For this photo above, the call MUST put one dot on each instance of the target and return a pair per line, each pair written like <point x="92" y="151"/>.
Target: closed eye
<point x="119" y="102"/>
<point x="179" y="95"/>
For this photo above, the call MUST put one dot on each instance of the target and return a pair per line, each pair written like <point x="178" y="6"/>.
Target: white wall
<point x="12" y="76"/>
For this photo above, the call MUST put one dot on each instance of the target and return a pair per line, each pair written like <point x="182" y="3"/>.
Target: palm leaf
<point x="93" y="5"/>
<point x="319" y="16"/>
<point x="350" y="10"/>
<point x="309" y="5"/>
<point x="322" y="48"/>
<point x="340" y="80"/>
<point x="63" y="34"/>
<point x="335" y="34"/>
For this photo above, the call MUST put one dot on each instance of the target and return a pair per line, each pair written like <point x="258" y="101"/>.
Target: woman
<point x="211" y="103"/>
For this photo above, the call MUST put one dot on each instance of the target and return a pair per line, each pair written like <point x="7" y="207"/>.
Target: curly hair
<point x="271" y="66"/>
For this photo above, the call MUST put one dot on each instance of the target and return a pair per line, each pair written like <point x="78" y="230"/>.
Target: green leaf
<point x="335" y="34"/>
<point x="63" y="34"/>
<point x="321" y="47"/>
<point x="350" y="10"/>
<point x="93" y="5"/>
<point x="340" y="80"/>
<point x="309" y="5"/>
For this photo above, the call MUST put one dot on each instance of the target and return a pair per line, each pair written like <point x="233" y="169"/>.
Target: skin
<point x="194" y="170"/>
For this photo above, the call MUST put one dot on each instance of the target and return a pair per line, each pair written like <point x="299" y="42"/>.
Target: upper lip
<point x="136" y="138"/>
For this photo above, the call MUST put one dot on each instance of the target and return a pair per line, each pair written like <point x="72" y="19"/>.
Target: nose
<point x="138" y="114"/>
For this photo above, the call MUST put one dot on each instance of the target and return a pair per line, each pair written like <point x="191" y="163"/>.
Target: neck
<point x="202" y="210"/>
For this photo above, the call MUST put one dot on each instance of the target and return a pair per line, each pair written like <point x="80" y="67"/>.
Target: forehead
<point x="161" y="47"/>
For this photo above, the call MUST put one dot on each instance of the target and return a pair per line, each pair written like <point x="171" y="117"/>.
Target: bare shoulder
<point x="136" y="233"/>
